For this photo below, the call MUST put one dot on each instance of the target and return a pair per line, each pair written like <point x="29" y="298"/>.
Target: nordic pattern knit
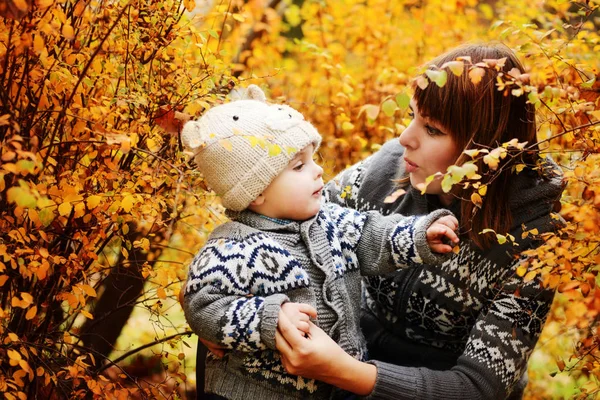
<point x="463" y="329"/>
<point x="250" y="266"/>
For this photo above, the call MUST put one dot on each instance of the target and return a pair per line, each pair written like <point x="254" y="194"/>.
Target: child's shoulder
<point x="236" y="235"/>
<point x="233" y="230"/>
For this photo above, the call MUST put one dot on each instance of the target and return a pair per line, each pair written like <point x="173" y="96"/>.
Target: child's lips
<point x="318" y="192"/>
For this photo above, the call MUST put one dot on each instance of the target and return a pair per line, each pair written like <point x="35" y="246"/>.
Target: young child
<point x="285" y="250"/>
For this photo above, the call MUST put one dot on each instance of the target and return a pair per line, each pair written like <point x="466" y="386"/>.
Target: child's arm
<point x="381" y="244"/>
<point x="228" y="299"/>
<point x="243" y="323"/>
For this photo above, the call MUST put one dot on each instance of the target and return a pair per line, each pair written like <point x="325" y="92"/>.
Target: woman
<point x="463" y="329"/>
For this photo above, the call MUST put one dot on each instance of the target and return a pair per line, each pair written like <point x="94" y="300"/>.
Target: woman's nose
<point x="407" y="137"/>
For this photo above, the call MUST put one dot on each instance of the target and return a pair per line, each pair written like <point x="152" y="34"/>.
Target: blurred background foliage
<point x="100" y="212"/>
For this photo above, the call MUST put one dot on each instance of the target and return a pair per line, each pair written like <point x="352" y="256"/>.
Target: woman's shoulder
<point x="366" y="184"/>
<point x="535" y="197"/>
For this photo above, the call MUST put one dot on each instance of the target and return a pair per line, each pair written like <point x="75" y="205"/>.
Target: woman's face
<point x="429" y="149"/>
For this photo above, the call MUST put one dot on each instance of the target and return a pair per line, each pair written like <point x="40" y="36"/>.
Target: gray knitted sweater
<point x="250" y="266"/>
<point x="463" y="329"/>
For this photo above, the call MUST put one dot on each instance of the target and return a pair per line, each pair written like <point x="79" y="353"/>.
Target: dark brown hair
<point x="477" y="115"/>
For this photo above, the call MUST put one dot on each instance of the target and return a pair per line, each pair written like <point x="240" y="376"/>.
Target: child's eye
<point x="411" y="113"/>
<point x="299" y="167"/>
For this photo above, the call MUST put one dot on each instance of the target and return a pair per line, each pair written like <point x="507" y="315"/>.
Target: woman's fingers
<point x="214" y="348"/>
<point x="288" y="331"/>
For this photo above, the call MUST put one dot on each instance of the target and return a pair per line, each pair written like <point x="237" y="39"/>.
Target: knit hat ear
<point x="256" y="93"/>
<point x="193" y="135"/>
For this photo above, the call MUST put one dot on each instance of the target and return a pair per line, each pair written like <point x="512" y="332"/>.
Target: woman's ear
<point x="258" y="201"/>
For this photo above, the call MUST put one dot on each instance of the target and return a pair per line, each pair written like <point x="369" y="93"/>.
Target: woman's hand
<point x="317" y="356"/>
<point x="214" y="348"/>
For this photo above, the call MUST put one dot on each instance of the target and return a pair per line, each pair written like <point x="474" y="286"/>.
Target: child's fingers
<point x="438" y="231"/>
<point x="307" y="309"/>
<point x="441" y="248"/>
<point x="451" y="234"/>
<point x="450" y="221"/>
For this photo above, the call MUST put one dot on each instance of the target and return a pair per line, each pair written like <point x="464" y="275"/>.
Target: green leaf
<point x="439" y="77"/>
<point x="403" y="100"/>
<point x="21" y="196"/>
<point x="588" y="84"/>
<point x="389" y="107"/>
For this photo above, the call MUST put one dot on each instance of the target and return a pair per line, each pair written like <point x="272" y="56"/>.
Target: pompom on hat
<point x="241" y="146"/>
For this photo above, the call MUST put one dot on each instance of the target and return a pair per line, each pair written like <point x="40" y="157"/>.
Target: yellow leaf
<point x="67" y="32"/>
<point x="127" y="202"/>
<point x="253" y="140"/>
<point x="521" y="270"/>
<point x="31" y="313"/>
<point x="4" y="120"/>
<point x="21" y="5"/>
<point x="42" y="4"/>
<point x="3" y="279"/>
<point x="87" y="314"/>
<point x="90" y="291"/>
<point x="457" y="67"/>
<point x="65" y="209"/>
<point x="530" y="276"/>
<point x="160" y="292"/>
<point x="274" y="150"/>
<point x="475" y="75"/>
<point x="482" y="190"/>
<point x="226" y="144"/>
<point x="93" y="201"/>
<point x="476" y="199"/>
<point x="394" y="196"/>
<point x="347" y="126"/>
<point x="13" y="355"/>
<point x="79" y="209"/>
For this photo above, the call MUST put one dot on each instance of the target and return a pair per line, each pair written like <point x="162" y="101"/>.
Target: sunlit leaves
<point x="439" y="77"/>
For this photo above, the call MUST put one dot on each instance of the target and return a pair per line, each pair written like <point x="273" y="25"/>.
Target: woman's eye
<point x="411" y="114"/>
<point x="433" y="131"/>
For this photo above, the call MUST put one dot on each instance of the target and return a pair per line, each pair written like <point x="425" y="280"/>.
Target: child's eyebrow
<point x="299" y="154"/>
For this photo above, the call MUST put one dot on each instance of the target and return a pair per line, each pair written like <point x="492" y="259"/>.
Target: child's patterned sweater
<point x="250" y="266"/>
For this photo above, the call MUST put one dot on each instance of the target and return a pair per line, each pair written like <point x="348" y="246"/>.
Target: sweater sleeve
<point x="495" y="356"/>
<point x="228" y="299"/>
<point x="396" y="241"/>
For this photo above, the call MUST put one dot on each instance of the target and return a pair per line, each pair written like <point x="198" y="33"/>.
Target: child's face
<point x="296" y="192"/>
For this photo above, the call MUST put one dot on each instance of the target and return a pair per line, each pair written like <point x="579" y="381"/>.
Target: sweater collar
<point x="268" y="224"/>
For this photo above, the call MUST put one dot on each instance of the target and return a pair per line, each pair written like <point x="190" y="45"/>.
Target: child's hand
<point x="299" y="314"/>
<point x="443" y="228"/>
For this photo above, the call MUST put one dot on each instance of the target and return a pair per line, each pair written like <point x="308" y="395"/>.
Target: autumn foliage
<point x="100" y="209"/>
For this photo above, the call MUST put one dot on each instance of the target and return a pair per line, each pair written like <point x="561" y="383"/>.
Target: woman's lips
<point x="410" y="166"/>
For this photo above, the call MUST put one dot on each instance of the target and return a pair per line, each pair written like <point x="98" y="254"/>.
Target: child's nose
<point x="319" y="171"/>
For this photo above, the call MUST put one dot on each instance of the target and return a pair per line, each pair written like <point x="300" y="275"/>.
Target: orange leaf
<point x="31" y="313"/>
<point x="394" y="196"/>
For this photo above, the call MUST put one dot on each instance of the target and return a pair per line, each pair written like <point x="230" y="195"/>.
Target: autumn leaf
<point x="394" y="196"/>
<point x="476" y="74"/>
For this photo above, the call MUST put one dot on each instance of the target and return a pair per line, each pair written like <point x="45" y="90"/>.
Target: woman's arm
<point x="317" y="356"/>
<point x="493" y="361"/>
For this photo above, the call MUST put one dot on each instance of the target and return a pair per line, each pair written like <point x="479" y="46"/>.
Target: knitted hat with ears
<point x="241" y="146"/>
